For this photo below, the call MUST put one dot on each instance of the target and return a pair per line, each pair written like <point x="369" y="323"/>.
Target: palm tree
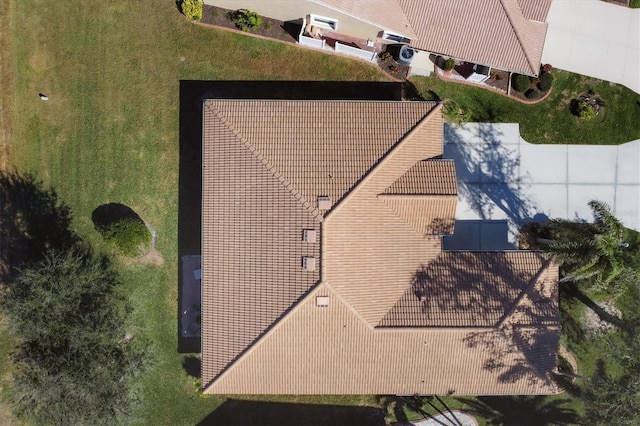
<point x="593" y="251"/>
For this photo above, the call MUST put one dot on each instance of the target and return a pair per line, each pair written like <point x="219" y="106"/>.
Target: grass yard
<point x="549" y="121"/>
<point x="109" y="133"/>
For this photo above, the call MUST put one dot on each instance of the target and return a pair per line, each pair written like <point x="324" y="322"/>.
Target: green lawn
<point x="549" y="121"/>
<point x="109" y="133"/>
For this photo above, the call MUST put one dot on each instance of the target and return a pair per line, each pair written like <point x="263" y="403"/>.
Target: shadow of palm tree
<point x="522" y="410"/>
<point x="32" y="220"/>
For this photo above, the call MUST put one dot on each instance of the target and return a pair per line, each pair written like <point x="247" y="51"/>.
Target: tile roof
<point x="264" y="330"/>
<point x="330" y="350"/>
<point x="468" y="289"/>
<point x="383" y="13"/>
<point x="498" y="33"/>
<point x="536" y="10"/>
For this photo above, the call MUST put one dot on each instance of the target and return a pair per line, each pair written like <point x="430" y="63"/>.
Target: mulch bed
<point x="498" y="79"/>
<point x="271" y="28"/>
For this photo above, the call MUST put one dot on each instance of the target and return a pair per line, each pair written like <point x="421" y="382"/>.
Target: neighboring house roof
<point x="272" y="259"/>
<point x="490" y="32"/>
<point x="507" y="34"/>
<point x="383" y="13"/>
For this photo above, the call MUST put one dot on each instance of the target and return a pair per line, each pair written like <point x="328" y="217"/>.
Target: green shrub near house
<point x="192" y="9"/>
<point x="521" y="83"/>
<point x="546" y="81"/>
<point x="449" y="64"/>
<point x="531" y="94"/>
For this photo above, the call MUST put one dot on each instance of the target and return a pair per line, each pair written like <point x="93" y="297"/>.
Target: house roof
<point x="497" y="33"/>
<point x="507" y="34"/>
<point x="265" y="163"/>
<point x="383" y="13"/>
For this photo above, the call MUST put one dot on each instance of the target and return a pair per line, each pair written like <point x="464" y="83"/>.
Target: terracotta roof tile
<point x="272" y="326"/>
<point x="293" y="358"/>
<point x="536" y="10"/>
<point x="383" y="13"/>
<point x="488" y="32"/>
<point x="467" y="289"/>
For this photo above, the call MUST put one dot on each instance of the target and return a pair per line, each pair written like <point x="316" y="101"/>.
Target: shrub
<point x="531" y="94"/>
<point x="129" y="237"/>
<point x="586" y="111"/>
<point x="246" y="20"/>
<point x="521" y="82"/>
<point x="449" y="64"/>
<point x="192" y="9"/>
<point x="386" y="57"/>
<point x="547" y="68"/>
<point x="546" y="81"/>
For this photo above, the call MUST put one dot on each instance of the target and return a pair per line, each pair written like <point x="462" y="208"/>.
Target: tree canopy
<point x="595" y="251"/>
<point x="74" y="362"/>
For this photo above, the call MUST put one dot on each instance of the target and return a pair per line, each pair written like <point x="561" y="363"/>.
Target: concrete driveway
<point x="504" y="182"/>
<point x="595" y="38"/>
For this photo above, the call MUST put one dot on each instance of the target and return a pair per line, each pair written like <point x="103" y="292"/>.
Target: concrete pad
<point x="543" y="163"/>
<point x="547" y="199"/>
<point x="583" y="34"/>
<point x="627" y="205"/>
<point x="580" y="195"/>
<point x="517" y="184"/>
<point x="628" y="163"/>
<point x="421" y="64"/>
<point x="592" y="164"/>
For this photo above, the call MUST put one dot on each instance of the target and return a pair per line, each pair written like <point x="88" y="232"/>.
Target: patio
<point x="497" y="79"/>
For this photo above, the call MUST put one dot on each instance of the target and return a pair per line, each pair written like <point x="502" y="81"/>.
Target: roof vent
<point x="324" y="202"/>
<point x="309" y="235"/>
<point x="322" y="301"/>
<point x="309" y="263"/>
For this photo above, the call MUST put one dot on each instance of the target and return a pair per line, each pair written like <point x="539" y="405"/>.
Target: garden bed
<point x="270" y="28"/>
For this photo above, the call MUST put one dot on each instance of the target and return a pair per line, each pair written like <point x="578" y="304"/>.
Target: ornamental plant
<point x="128" y="236"/>
<point x="521" y="83"/>
<point x="546" y="81"/>
<point x="192" y="9"/>
<point x="246" y="20"/>
<point x="586" y="110"/>
<point x="449" y="64"/>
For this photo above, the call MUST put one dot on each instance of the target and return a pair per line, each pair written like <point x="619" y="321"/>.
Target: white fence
<point x="354" y="51"/>
<point x="312" y="42"/>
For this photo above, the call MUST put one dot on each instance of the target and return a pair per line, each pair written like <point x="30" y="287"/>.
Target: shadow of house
<point x="192" y="96"/>
<point x="245" y="412"/>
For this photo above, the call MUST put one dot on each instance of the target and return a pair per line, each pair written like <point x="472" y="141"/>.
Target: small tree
<point x="192" y="9"/>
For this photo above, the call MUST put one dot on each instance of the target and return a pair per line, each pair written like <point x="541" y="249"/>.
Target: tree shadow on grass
<point x="107" y="214"/>
<point x="32" y="220"/>
<point x="244" y="412"/>
<point x="522" y="410"/>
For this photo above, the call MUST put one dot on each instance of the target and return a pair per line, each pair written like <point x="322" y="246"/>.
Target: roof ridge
<point x="511" y="18"/>
<point x="426" y="118"/>
<point x="271" y="168"/>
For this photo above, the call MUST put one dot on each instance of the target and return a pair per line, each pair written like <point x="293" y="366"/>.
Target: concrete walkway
<point x="504" y="182"/>
<point x="595" y="38"/>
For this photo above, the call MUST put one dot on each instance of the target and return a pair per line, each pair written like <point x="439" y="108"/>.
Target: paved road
<point x="595" y="38"/>
<point x="504" y="181"/>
